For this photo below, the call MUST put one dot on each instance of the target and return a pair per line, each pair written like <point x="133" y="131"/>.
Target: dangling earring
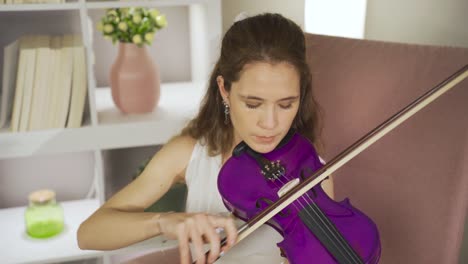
<point x="226" y="112"/>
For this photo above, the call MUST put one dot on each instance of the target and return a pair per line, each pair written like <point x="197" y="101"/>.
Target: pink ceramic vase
<point x="134" y="80"/>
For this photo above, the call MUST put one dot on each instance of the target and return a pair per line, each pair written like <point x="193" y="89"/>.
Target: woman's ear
<point x="221" y="88"/>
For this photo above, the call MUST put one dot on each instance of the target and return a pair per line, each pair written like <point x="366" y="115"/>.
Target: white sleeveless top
<point x="203" y="196"/>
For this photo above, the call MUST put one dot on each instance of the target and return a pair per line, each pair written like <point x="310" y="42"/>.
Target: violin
<point x="282" y="189"/>
<point x="315" y="228"/>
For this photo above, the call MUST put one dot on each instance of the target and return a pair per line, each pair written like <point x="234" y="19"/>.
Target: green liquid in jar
<point x="45" y="229"/>
<point x="44" y="220"/>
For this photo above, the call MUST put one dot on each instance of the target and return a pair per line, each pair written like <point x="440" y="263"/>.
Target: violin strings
<point x="341" y="240"/>
<point x="334" y="238"/>
<point x="331" y="228"/>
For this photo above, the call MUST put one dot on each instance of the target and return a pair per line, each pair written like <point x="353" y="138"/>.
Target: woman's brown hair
<point x="268" y="38"/>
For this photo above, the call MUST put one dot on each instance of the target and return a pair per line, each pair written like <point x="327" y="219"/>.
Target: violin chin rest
<point x="239" y="149"/>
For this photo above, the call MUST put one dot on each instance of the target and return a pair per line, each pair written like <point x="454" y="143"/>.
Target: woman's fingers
<point x="197" y="241"/>
<point x="227" y="223"/>
<point x="184" y="248"/>
<point x="196" y="228"/>
<point x="211" y="237"/>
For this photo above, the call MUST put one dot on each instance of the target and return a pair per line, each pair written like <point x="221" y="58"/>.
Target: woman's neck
<point x="228" y="154"/>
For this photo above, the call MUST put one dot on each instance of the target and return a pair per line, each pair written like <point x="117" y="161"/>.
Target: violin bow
<point x="349" y="153"/>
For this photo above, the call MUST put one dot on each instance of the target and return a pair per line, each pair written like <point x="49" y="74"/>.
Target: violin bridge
<point x="288" y="186"/>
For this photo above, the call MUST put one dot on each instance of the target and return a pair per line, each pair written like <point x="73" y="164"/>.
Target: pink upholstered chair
<point x="414" y="181"/>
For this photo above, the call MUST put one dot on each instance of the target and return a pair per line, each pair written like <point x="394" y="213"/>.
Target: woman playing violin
<point x="259" y="89"/>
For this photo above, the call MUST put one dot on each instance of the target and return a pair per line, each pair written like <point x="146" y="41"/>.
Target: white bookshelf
<point x="178" y="104"/>
<point x="104" y="128"/>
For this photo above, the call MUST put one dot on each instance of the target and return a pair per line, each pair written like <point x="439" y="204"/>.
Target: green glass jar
<point x="43" y="216"/>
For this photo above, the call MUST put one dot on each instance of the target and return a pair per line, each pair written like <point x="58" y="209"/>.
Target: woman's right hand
<point x="198" y="228"/>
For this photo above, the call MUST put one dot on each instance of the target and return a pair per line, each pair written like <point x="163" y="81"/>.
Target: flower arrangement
<point x="131" y="25"/>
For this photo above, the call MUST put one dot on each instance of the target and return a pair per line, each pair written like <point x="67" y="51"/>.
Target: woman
<point x="258" y="90"/>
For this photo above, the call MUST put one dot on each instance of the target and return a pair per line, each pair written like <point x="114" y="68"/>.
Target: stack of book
<point x="44" y="83"/>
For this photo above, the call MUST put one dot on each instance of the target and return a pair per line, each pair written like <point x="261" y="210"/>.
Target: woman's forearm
<point x="109" y="229"/>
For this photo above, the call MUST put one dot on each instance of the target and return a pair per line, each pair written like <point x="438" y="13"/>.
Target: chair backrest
<point x="414" y="181"/>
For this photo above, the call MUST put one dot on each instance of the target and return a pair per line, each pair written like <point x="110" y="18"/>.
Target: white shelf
<point x="178" y="100"/>
<point x="147" y="3"/>
<point x="39" y="7"/>
<point x="17" y="247"/>
<point x="23" y="144"/>
<point x="98" y="5"/>
<point x="178" y="104"/>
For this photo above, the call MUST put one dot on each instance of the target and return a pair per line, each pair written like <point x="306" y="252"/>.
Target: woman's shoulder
<point x="182" y="142"/>
<point x="178" y="151"/>
<point x="179" y="147"/>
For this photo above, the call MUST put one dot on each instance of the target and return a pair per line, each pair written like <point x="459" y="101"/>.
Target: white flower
<point x="137" y="39"/>
<point x="161" y="20"/>
<point x="154" y="13"/>
<point x="149" y="37"/>
<point x="108" y="28"/>
<point x="124" y="11"/>
<point x="111" y="12"/>
<point x="136" y="18"/>
<point x="123" y="26"/>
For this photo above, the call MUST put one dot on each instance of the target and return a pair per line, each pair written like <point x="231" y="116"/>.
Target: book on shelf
<point x="26" y="52"/>
<point x="26" y="75"/>
<point x="48" y="86"/>
<point x="65" y="82"/>
<point x="40" y="90"/>
<point x="10" y="64"/>
<point x="54" y="81"/>
<point x="79" y="78"/>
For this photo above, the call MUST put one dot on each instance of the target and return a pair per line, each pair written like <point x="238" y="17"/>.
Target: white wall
<point x="342" y="18"/>
<point x="293" y="9"/>
<point x="69" y="174"/>
<point x="439" y="22"/>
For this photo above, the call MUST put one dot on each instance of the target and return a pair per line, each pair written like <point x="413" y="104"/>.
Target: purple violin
<point x="315" y="228"/>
